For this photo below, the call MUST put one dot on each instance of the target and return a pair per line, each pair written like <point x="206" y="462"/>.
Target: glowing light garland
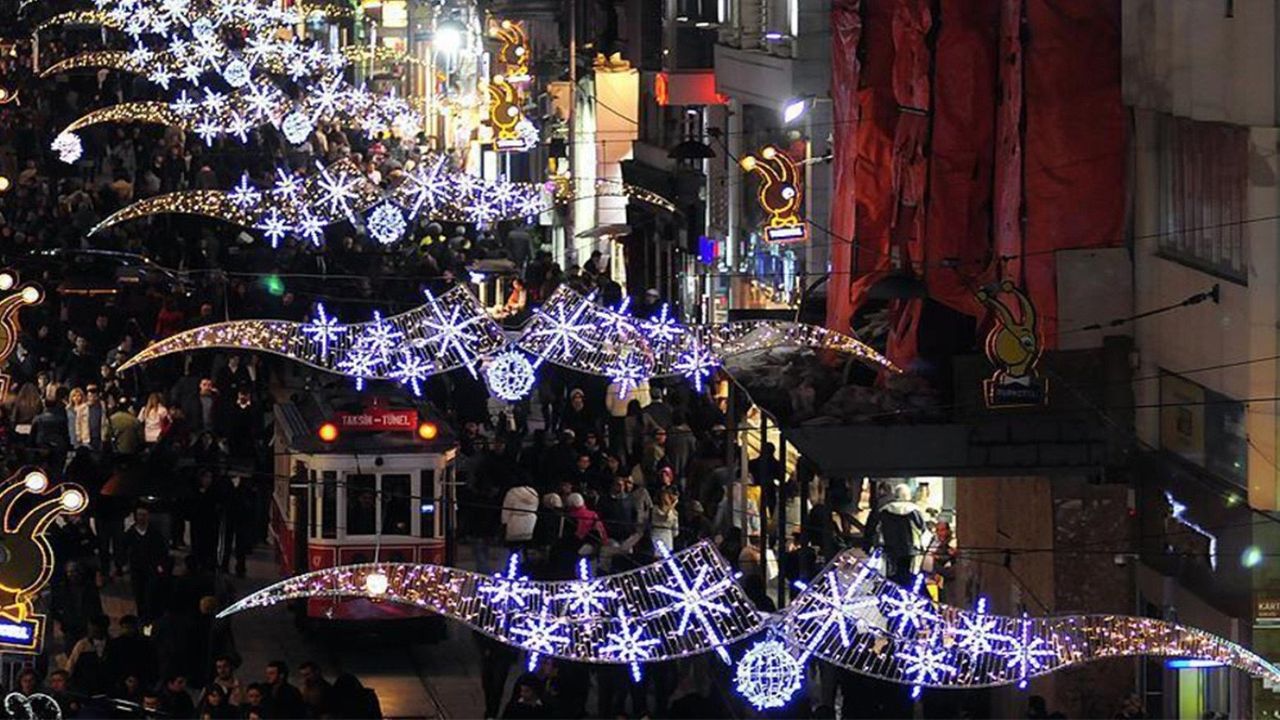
<point x="455" y="331"/>
<point x="339" y="192"/>
<point x="690" y="603"/>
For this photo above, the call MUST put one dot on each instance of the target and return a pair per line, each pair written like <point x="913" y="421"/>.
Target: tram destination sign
<point x="377" y="420"/>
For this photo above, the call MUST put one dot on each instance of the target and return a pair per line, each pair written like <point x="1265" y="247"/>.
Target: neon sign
<point x="781" y="194"/>
<point x="1014" y="347"/>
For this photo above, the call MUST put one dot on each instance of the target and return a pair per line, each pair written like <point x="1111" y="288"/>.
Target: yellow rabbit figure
<point x="1014" y="347"/>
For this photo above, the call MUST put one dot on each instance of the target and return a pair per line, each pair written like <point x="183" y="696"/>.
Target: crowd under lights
<point x="454" y="331"/>
<point x="690" y="603"/>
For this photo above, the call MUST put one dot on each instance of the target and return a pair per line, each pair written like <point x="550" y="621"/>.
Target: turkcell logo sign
<point x="19" y="635"/>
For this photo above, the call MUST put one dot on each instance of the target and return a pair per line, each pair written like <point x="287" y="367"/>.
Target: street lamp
<point x="449" y="37"/>
<point x="794" y="108"/>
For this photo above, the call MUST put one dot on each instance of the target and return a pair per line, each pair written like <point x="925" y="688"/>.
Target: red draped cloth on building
<point x="974" y="140"/>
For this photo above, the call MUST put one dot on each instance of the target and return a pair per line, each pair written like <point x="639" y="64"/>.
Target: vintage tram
<point x="357" y="482"/>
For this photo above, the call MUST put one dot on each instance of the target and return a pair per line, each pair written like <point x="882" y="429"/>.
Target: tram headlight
<point x="428" y="430"/>
<point x="328" y="432"/>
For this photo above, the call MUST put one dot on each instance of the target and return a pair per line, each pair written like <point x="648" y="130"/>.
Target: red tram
<point x="360" y="484"/>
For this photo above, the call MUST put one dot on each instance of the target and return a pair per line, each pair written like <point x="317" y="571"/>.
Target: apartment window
<point x="1204" y="174"/>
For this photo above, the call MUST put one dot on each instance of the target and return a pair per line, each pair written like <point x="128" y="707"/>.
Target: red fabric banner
<point x="1075" y="140"/>
<point x="846" y="32"/>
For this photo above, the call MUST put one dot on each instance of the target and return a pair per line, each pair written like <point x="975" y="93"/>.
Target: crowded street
<point x="638" y="359"/>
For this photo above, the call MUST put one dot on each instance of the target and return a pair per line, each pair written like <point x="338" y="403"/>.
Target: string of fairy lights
<point x="690" y="603"/>
<point x="454" y="331"/>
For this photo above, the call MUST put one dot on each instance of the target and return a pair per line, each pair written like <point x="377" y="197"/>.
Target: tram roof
<point x="298" y="422"/>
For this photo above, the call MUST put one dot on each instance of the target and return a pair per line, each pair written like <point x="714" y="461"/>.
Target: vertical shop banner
<point x="846" y="31"/>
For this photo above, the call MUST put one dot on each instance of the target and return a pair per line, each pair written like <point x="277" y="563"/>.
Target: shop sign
<point x="1266" y="610"/>
<point x="378" y="419"/>
<point x="1013" y="346"/>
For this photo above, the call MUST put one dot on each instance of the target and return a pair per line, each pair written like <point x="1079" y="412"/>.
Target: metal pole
<point x="570" y="150"/>
<point x="760" y="507"/>
<point x="782" y="518"/>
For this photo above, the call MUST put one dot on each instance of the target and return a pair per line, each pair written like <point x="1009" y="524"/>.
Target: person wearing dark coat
<point x="130" y="653"/>
<point x="283" y="700"/>
<point x="899" y="527"/>
<point x="175" y="701"/>
<point x="352" y="700"/>
<point x="145" y="551"/>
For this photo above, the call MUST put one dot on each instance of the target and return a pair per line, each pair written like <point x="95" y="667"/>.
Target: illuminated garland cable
<point x="294" y="207"/>
<point x="627" y="618"/>
<point x="690" y="602"/>
<point x="455" y="331"/>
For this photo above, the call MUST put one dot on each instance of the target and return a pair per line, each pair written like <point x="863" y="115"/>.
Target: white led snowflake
<point x="184" y="106"/>
<point x="214" y="101"/>
<point x="696" y="364"/>
<point x="840" y="609"/>
<point x="245" y="195"/>
<point x="428" y="186"/>
<point x="449" y="332"/>
<point x="1027" y="654"/>
<point x="925" y="663"/>
<point x="386" y="223"/>
<point x="626" y="374"/>
<point x="296" y="127"/>
<point x="310" y="228"/>
<point x="586" y="598"/>
<point x="239" y="126"/>
<point x="382" y="338"/>
<point x="976" y="633"/>
<point x="68" y="147"/>
<point x="907" y="611"/>
<point x="338" y="192"/>
<point x="288" y="185"/>
<point x="663" y="328"/>
<point x="628" y="643"/>
<point x="207" y="130"/>
<point x="562" y="327"/>
<point x="510" y="375"/>
<point x="324" y="330"/>
<point x="696" y="599"/>
<point x="510" y="591"/>
<point x="274" y="226"/>
<point x="540" y="634"/>
<point x="360" y="362"/>
<point x="412" y="370"/>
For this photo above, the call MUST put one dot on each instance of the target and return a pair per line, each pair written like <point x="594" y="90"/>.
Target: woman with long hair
<point x="75" y="404"/>
<point x="155" y="418"/>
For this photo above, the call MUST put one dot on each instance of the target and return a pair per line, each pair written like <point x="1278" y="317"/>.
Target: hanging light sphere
<point x="386" y="224"/>
<point x="68" y="147"/>
<point x="376" y="583"/>
<point x="768" y="675"/>
<point x="296" y="127"/>
<point x="236" y="73"/>
<point x="510" y="375"/>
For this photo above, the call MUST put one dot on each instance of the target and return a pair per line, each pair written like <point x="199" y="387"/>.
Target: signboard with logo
<point x="1013" y="347"/>
<point x="378" y="420"/>
<point x="1266" y="610"/>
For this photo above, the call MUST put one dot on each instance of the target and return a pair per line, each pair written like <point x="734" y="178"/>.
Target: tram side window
<point x="329" y="504"/>
<point x="362" y="505"/>
<point x="396" y="501"/>
<point x="428" y="504"/>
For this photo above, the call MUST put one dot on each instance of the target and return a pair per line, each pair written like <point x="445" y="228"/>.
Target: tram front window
<point x="396" y="499"/>
<point x="329" y="504"/>
<point x="362" y="505"/>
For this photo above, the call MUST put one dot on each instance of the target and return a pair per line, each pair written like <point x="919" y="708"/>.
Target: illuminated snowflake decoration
<point x="540" y="634"/>
<point x="663" y="328"/>
<point x="310" y="228"/>
<point x="451" y="332"/>
<point x="626" y="373"/>
<point x="628" y="643"/>
<point x="323" y="330"/>
<point x="510" y="591"/>
<point x="908" y="612"/>
<point x="382" y="338"/>
<point x="412" y="370"/>
<point x="925" y="663"/>
<point x="68" y="147"/>
<point x="976" y="633"/>
<point x="562" y="328"/>
<point x="428" y="187"/>
<point x="695" y="599"/>
<point x="1027" y="654"/>
<point x="510" y="375"/>
<point x="696" y="364"/>
<point x="841" y="610"/>
<point x="288" y="185"/>
<point x="386" y="223"/>
<point x="296" y="127"/>
<point x="586" y="598"/>
<point x="339" y="191"/>
<point x="768" y="675"/>
<point x="274" y="226"/>
<point x="361" y="362"/>
<point x="245" y="195"/>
